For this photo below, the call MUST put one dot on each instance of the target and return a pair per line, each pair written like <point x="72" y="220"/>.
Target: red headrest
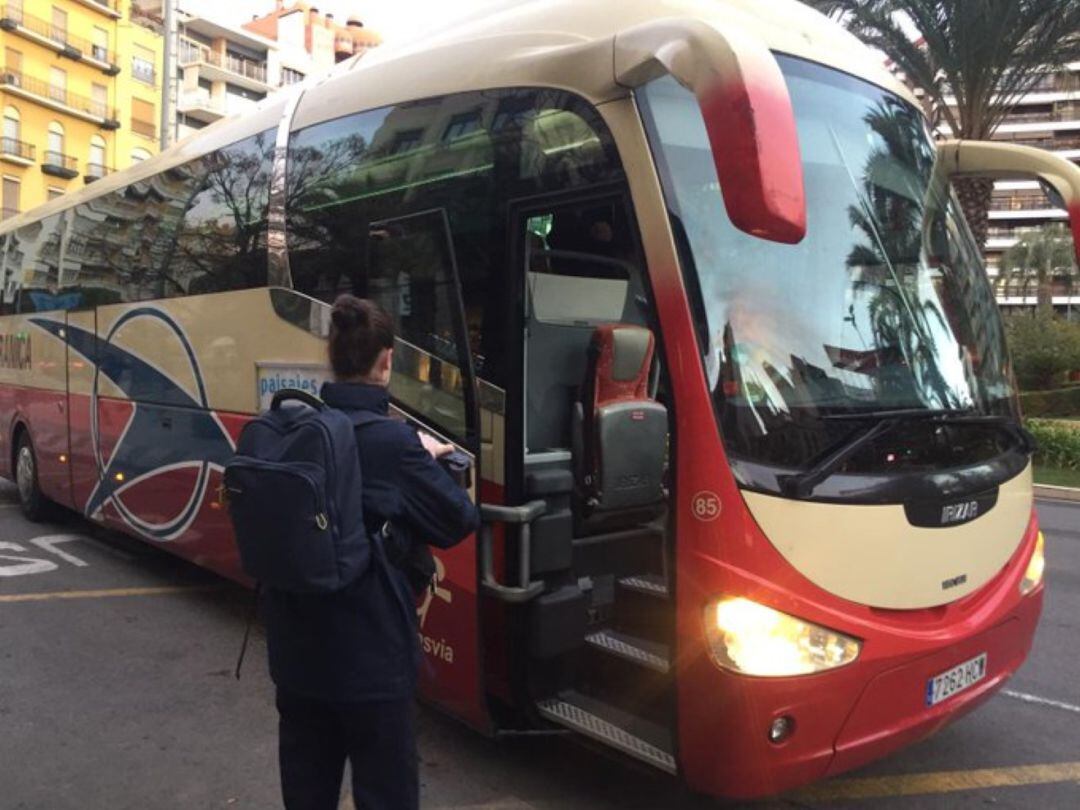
<point x="619" y="362"/>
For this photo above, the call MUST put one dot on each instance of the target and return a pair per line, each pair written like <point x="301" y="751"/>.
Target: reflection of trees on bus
<point x="222" y="243"/>
<point x="888" y="263"/>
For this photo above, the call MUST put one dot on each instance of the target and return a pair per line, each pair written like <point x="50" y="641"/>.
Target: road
<point x="116" y="691"/>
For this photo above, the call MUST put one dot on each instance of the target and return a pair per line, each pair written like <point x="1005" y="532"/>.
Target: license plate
<point x="961" y="677"/>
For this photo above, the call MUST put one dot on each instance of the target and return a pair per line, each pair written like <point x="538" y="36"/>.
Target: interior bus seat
<point x="620" y="434"/>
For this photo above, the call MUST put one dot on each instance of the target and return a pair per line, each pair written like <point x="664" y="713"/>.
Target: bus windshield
<point x="884" y="304"/>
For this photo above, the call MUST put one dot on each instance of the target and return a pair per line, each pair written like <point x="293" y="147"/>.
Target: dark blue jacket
<point x="360" y="643"/>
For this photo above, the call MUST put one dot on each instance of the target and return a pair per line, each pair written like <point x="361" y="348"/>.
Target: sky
<point x="394" y="19"/>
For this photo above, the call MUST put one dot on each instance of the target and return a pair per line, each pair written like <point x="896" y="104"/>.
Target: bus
<point x="687" y="284"/>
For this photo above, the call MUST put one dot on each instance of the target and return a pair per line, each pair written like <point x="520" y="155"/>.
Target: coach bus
<point x="686" y="282"/>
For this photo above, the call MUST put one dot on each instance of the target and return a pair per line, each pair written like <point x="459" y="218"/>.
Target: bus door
<point x="81" y="326"/>
<point x="412" y="272"/>
<point x="591" y="479"/>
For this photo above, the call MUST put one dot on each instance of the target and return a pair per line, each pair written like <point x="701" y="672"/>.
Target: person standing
<point x="345" y="664"/>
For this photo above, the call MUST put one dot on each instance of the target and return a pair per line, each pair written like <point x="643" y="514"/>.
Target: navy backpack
<point x="294" y="494"/>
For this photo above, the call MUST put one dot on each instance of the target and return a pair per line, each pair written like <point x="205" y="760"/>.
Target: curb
<point x="1057" y="493"/>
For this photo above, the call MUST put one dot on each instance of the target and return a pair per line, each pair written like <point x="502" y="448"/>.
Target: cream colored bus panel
<point x="873" y="556"/>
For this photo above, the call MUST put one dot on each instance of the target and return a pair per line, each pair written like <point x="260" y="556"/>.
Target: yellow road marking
<point x="880" y="787"/>
<point x="105" y="593"/>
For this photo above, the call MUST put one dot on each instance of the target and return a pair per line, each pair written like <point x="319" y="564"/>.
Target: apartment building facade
<point x="80" y="87"/>
<point x="1047" y="117"/>
<point x="223" y="68"/>
<point x="303" y="34"/>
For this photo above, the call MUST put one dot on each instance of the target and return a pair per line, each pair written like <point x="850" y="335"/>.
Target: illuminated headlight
<point x="1035" y="568"/>
<point x="752" y="639"/>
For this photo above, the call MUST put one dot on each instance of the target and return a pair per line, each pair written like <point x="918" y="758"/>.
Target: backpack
<point x="294" y="493"/>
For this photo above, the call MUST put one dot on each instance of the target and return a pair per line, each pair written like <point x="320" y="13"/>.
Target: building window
<point x="52" y="192"/>
<point x="12" y="131"/>
<point x="95" y="166"/>
<point x="138" y="155"/>
<point x="11" y="197"/>
<point x="406" y="141"/>
<point x="142" y="65"/>
<point x="59" y="28"/>
<point x="55" y="152"/>
<point x="99" y="97"/>
<point x="99" y="48"/>
<point x="58" y="85"/>
<point x="142" y="118"/>
<point x="461" y="125"/>
<point x="290" y="76"/>
<point x="12" y="66"/>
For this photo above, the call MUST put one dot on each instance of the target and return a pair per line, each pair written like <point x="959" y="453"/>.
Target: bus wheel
<point x="32" y="500"/>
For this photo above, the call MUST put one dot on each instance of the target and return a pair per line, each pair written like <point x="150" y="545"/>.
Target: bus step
<point x="647" y="584"/>
<point x="611" y="726"/>
<point x="638" y="650"/>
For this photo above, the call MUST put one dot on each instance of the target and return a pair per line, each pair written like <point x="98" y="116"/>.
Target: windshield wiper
<point x="801" y="485"/>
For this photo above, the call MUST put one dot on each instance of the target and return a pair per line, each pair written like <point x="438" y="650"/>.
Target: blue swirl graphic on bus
<point x="168" y="429"/>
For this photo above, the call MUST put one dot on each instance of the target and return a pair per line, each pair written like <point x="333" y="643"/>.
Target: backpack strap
<point x="247" y="629"/>
<point x="286" y="394"/>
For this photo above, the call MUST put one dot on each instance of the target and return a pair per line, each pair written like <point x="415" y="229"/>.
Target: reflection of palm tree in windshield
<point x="887" y="265"/>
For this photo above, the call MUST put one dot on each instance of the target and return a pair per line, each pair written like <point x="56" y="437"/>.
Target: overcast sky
<point x="394" y="19"/>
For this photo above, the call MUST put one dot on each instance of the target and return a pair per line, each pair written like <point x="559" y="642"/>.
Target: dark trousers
<point x="378" y="738"/>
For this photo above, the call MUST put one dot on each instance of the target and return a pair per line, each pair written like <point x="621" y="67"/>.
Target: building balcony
<point x="1051" y="144"/>
<point x="95" y="171"/>
<point x="58" y="98"/>
<point x="201" y="106"/>
<point x="110" y="8"/>
<point x="215" y="66"/>
<point x="1029" y="215"/>
<point x="145" y="128"/>
<point x="12" y="150"/>
<point x="1067" y="114"/>
<point x="60" y="165"/>
<point x="35" y="29"/>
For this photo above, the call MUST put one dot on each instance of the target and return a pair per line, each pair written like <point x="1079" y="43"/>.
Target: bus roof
<point x="529" y="43"/>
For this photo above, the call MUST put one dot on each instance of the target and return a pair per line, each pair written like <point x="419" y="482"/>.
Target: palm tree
<point x="1041" y="254"/>
<point x="974" y="59"/>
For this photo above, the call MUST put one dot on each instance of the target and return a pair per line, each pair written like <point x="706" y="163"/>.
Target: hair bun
<point x="346" y="314"/>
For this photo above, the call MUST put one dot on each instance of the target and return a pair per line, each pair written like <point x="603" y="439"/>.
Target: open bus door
<point x="585" y="569"/>
<point x="412" y="273"/>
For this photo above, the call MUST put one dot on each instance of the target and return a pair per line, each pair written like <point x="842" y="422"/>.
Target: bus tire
<point x="35" y="506"/>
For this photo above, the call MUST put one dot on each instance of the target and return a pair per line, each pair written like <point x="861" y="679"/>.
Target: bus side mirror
<point x="747" y="110"/>
<point x="1006" y="161"/>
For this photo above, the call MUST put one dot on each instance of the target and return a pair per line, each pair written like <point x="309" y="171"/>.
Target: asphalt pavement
<point x="116" y="691"/>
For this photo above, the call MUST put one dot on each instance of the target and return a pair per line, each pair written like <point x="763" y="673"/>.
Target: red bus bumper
<point x="850" y="716"/>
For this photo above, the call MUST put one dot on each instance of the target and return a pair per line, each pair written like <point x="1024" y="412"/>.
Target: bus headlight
<point x="752" y="639"/>
<point x="1035" y="568"/>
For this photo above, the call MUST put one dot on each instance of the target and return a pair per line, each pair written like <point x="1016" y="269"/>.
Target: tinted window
<point x="34" y="256"/>
<point x="462" y="156"/>
<point x="119" y="244"/>
<point x="222" y="240"/>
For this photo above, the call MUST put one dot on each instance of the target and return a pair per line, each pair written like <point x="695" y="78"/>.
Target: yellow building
<point x="81" y="90"/>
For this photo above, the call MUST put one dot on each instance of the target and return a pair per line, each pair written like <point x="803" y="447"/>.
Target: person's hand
<point x="434" y="446"/>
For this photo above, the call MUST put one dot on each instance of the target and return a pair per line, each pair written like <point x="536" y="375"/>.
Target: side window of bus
<point x="34" y="254"/>
<point x="118" y="244"/>
<point x="465" y="155"/>
<point x="221" y="243"/>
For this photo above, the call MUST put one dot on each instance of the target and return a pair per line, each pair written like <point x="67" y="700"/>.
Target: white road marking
<point x="50" y="542"/>
<point x="1041" y="701"/>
